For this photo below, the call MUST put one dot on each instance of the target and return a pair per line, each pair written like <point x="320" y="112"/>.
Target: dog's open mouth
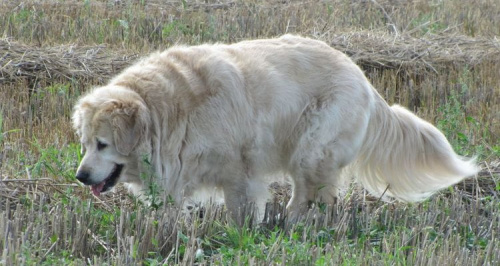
<point x="109" y="182"/>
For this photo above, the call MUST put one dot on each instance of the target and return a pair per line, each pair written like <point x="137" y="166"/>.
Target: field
<point x="440" y="59"/>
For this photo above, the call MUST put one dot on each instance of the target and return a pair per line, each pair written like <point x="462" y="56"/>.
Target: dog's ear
<point x="130" y="122"/>
<point x="78" y="117"/>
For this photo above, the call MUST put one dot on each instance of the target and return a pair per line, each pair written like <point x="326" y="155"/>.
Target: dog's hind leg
<point x="326" y="139"/>
<point x="314" y="180"/>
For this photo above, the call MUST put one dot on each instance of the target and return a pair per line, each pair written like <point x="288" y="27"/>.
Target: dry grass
<point x="439" y="58"/>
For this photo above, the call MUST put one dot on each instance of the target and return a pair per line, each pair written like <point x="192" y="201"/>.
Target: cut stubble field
<point x="439" y="59"/>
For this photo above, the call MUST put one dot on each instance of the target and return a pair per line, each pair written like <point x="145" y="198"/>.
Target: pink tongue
<point x="96" y="189"/>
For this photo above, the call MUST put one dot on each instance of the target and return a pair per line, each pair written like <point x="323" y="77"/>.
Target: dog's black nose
<point x="83" y="176"/>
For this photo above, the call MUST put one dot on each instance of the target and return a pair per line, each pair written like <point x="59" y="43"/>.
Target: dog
<point x="234" y="118"/>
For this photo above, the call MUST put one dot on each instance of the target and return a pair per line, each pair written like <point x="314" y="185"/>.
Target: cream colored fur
<point x="233" y="117"/>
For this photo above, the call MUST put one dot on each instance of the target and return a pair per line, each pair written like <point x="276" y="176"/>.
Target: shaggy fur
<point x="231" y="118"/>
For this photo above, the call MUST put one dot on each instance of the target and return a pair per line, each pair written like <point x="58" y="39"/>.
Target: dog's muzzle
<point x="103" y="186"/>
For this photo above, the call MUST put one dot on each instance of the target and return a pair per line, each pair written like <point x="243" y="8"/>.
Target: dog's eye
<point x="101" y="145"/>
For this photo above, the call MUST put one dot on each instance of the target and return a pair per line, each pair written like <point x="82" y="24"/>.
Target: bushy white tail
<point x="406" y="157"/>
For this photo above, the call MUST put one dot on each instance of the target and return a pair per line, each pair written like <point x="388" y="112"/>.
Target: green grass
<point x="47" y="218"/>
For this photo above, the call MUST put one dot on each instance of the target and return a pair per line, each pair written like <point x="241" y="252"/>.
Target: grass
<point x="46" y="218"/>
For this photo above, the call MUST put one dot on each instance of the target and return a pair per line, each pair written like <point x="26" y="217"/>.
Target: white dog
<point x="233" y="117"/>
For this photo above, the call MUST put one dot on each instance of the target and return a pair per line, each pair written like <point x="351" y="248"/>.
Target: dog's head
<point x="112" y="122"/>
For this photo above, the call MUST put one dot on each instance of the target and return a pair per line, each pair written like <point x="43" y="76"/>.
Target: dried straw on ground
<point x="435" y="51"/>
<point x="67" y="62"/>
<point x="370" y="50"/>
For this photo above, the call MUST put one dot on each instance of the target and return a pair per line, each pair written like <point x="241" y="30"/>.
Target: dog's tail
<point x="407" y="158"/>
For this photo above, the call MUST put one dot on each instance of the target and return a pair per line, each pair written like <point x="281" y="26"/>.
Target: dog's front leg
<point x="237" y="201"/>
